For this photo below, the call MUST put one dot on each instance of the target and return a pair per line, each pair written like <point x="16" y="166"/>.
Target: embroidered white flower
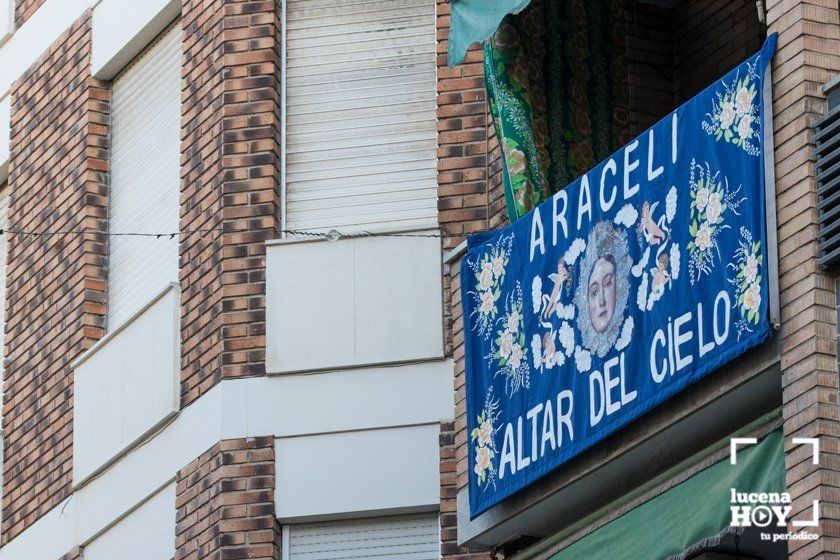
<point x="577" y="247"/>
<point x="751" y="268"/>
<point x="515" y="357"/>
<point x="565" y="311"/>
<point x="485" y="432"/>
<point x="675" y="261"/>
<point x="743" y="100"/>
<point x="485" y="280"/>
<point x="482" y="460"/>
<point x="536" y="350"/>
<point x="556" y="358"/>
<point x="567" y="338"/>
<point x="627" y="216"/>
<point x="642" y="294"/>
<point x="536" y="293"/>
<point x="639" y="267"/>
<point x="487" y="302"/>
<point x="713" y="208"/>
<point x="745" y="127"/>
<point x="514" y="319"/>
<point x="671" y="204"/>
<point x="703" y="239"/>
<point x="498" y="266"/>
<point x="506" y="344"/>
<point x="583" y="359"/>
<point x="752" y="297"/>
<point x="702" y="198"/>
<point x="727" y="115"/>
<point x="626" y="334"/>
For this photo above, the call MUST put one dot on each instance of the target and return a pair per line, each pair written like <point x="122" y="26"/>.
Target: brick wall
<point x="650" y="64"/>
<point x="711" y="38"/>
<point x="225" y="503"/>
<point x="75" y="554"/>
<point x="24" y="9"/>
<point x="808" y="56"/>
<point x="448" y="493"/>
<point x="230" y="180"/>
<point x="462" y="146"/>
<point x="56" y="285"/>
<point x="468" y="162"/>
<point x="674" y="53"/>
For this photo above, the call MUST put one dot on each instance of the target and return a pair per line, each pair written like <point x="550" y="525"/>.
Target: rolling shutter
<point x="407" y="537"/>
<point x="361" y="113"/>
<point x="827" y="137"/>
<point x="145" y="177"/>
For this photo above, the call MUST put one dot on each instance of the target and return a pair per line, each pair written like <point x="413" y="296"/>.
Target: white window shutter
<point x="406" y="537"/>
<point x="360" y="106"/>
<point x="145" y="177"/>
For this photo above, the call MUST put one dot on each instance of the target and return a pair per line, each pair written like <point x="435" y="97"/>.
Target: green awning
<point x="472" y="21"/>
<point x="689" y="513"/>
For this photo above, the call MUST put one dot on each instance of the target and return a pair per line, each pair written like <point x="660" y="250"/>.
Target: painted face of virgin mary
<point x="601" y="294"/>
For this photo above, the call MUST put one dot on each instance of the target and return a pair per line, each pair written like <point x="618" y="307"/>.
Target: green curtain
<point x="557" y="90"/>
<point x="690" y="513"/>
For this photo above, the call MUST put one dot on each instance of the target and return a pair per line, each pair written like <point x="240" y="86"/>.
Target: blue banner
<point x="638" y="279"/>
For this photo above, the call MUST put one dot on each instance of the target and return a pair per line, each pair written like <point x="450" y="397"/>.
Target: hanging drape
<point x="557" y="90"/>
<point x="472" y="21"/>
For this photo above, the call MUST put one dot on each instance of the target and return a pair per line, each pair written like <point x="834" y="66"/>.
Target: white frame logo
<point x="762" y="509"/>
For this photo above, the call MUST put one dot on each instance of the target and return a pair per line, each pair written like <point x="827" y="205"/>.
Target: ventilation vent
<point x="828" y="186"/>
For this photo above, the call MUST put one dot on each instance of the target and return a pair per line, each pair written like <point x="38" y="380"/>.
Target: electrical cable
<point x="331" y="235"/>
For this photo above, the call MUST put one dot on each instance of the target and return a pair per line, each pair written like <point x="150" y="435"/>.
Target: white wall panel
<point x="7" y="19"/>
<point x="352" y="302"/>
<point x="145" y="177"/>
<point x="147" y="533"/>
<point x="126" y="385"/>
<point x="357" y="399"/>
<point x="360" y="105"/>
<point x="406" y="537"/>
<point x="364" y="471"/>
<point x="239" y="408"/>
<point x="121" y="30"/>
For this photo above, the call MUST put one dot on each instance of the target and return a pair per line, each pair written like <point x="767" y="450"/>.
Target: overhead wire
<point x="331" y="235"/>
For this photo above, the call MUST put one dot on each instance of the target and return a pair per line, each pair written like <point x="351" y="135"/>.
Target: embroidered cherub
<point x="559" y="278"/>
<point x="661" y="277"/>
<point x="653" y="234"/>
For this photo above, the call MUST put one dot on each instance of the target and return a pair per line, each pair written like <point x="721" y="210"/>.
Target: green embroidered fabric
<point x="557" y="89"/>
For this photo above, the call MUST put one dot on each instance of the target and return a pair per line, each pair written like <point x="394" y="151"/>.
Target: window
<point x="411" y="537"/>
<point x="360" y="135"/>
<point x="145" y="177"/>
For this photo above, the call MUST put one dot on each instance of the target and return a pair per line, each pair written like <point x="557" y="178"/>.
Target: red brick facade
<point x="808" y="56"/>
<point x="229" y="180"/>
<point x="55" y="307"/>
<point x="225" y="503"/>
<point x="75" y="554"/>
<point x="448" y="493"/>
<point x="24" y="10"/>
